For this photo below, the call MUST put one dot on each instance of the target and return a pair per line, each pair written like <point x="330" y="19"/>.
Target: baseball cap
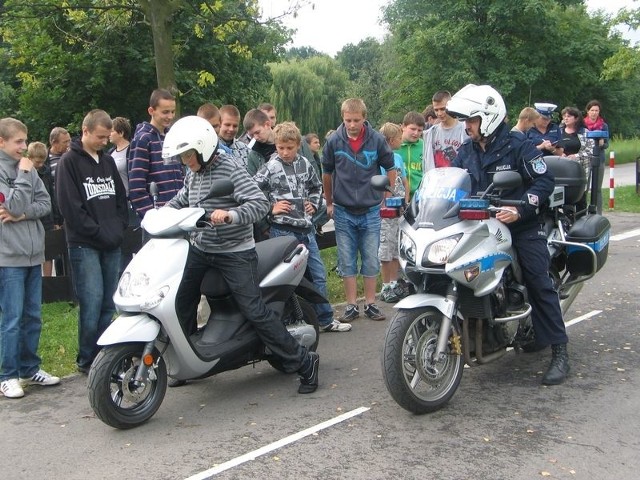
<point x="545" y="109"/>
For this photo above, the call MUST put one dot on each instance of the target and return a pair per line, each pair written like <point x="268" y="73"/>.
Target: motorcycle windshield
<point x="436" y="200"/>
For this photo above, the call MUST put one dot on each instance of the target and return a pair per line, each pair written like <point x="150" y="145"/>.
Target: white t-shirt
<point x="441" y="145"/>
<point x="120" y="158"/>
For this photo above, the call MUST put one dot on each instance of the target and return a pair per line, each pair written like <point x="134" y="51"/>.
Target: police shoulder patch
<point x="533" y="199"/>
<point x="539" y="165"/>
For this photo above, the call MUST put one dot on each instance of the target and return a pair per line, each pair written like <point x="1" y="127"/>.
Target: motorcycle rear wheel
<point x="414" y="379"/>
<point x="115" y="397"/>
<point x="310" y="317"/>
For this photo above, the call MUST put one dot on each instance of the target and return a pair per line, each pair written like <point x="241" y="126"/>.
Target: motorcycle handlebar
<point x="509" y="203"/>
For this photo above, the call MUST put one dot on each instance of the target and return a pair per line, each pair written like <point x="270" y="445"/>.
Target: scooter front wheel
<point x="417" y="380"/>
<point x="115" y="396"/>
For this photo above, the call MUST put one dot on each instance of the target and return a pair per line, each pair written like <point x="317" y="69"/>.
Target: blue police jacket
<point x="508" y="150"/>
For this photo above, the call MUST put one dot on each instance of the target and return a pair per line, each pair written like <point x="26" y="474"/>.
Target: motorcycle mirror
<point x="220" y="188"/>
<point x="506" y="180"/>
<point x="380" y="183"/>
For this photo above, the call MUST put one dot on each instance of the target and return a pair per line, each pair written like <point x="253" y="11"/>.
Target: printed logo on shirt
<point x="99" y="187"/>
<point x="501" y="168"/>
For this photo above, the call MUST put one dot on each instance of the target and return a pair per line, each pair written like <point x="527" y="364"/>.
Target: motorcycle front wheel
<point x="116" y="398"/>
<point x="417" y="381"/>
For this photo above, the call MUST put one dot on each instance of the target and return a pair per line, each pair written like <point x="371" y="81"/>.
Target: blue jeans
<point x="240" y="271"/>
<point x="20" y="321"/>
<point x="315" y="268"/>
<point x="357" y="233"/>
<point x="95" y="279"/>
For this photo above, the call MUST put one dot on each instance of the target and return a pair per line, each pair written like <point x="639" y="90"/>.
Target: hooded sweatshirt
<point x="22" y="243"/>
<point x="92" y="199"/>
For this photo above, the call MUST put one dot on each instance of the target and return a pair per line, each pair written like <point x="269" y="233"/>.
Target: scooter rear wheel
<point x="116" y="398"/>
<point x="310" y="317"/>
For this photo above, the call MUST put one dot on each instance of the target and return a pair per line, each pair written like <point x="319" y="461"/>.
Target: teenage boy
<point x="294" y="190"/>
<point x="257" y="124"/>
<point x="411" y="149"/>
<point x="145" y="162"/>
<point x="442" y="141"/>
<point x="23" y="202"/>
<point x="93" y="202"/>
<point x="351" y="156"/>
<point x="229" y="124"/>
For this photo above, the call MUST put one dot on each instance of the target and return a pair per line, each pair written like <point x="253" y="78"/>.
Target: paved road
<point x="500" y="424"/>
<point x="624" y="174"/>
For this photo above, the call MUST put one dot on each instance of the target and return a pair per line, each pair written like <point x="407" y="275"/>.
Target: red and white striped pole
<point x="612" y="190"/>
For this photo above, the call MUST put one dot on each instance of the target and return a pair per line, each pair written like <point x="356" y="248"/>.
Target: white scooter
<point x="146" y="343"/>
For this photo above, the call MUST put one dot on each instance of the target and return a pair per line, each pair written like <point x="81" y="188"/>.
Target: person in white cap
<point x="545" y="134"/>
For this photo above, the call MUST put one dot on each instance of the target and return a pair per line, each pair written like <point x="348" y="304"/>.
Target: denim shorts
<point x="357" y="234"/>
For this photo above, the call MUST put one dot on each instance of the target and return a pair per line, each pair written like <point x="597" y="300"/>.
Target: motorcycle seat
<point x="271" y="252"/>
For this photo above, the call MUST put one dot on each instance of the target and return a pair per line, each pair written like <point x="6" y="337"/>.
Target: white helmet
<point x="190" y="132"/>
<point x="479" y="101"/>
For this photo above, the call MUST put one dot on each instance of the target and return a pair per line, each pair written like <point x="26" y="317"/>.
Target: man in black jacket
<point x="93" y="202"/>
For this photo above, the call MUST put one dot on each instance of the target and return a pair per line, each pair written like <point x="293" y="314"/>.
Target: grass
<point x="626" y="151"/>
<point x="59" y="339"/>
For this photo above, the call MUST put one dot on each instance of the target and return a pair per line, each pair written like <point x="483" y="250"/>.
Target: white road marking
<point x="321" y="426"/>
<point x="581" y="318"/>
<point x="275" y="445"/>
<point x="625" y="235"/>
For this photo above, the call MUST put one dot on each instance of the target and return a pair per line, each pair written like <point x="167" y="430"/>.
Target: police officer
<point x="491" y="148"/>
<point x="545" y="133"/>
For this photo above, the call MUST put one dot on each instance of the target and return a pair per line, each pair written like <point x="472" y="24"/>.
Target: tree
<point x="530" y="50"/>
<point x="67" y="56"/>
<point x="309" y="92"/>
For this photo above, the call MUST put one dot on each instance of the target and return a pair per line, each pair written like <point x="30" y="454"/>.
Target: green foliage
<point x="627" y="200"/>
<point x="626" y="150"/>
<point x="64" y="57"/>
<point x="532" y="50"/>
<point x="309" y="92"/>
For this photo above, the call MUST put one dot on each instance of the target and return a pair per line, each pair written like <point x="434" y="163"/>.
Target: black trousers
<point x="239" y="269"/>
<point x="533" y="256"/>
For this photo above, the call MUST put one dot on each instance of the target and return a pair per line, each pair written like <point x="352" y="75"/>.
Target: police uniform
<point x="505" y="151"/>
<point x="553" y="132"/>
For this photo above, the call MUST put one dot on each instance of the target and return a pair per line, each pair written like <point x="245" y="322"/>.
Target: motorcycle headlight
<point x="438" y="252"/>
<point x="407" y="247"/>
<point x="133" y="285"/>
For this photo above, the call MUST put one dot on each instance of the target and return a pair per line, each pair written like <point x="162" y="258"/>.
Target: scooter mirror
<point x="220" y="188"/>
<point x="153" y="189"/>
<point x="380" y="183"/>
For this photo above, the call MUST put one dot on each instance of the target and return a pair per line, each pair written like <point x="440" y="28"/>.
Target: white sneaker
<point x="336" y="326"/>
<point x="40" y="378"/>
<point x="11" y="388"/>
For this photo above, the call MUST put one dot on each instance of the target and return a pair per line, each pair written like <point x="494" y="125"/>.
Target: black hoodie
<point x="92" y="199"/>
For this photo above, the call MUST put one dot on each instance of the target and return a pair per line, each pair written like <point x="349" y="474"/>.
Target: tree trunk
<point x="159" y="13"/>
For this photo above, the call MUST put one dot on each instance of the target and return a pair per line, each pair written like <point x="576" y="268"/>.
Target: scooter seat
<point x="271" y="252"/>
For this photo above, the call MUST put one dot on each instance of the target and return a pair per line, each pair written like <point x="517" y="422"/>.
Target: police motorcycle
<point x="470" y="303"/>
<point x="146" y="344"/>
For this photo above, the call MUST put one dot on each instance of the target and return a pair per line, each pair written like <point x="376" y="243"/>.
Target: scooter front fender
<point x="422" y="300"/>
<point x="130" y="328"/>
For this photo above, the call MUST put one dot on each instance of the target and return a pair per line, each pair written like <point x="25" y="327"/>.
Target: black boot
<point x="309" y="373"/>
<point x="559" y="366"/>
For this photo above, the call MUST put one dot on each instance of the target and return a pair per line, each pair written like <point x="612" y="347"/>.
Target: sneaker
<point x="373" y="312"/>
<point x="388" y="294"/>
<point x="402" y="289"/>
<point x="309" y="374"/>
<point x="11" y="388"/>
<point x="336" y="326"/>
<point x="40" y="378"/>
<point x="350" y="313"/>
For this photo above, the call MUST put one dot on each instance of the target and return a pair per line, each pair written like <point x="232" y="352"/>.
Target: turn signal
<point x="148" y="360"/>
